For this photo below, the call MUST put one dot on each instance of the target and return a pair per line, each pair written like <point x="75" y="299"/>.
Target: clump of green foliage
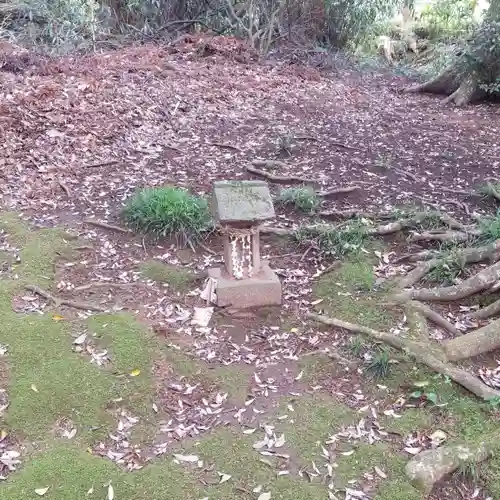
<point x="334" y="241"/>
<point x="303" y="199"/>
<point x="490" y="228"/>
<point x="168" y="212"/>
<point x="447" y="269"/>
<point x="380" y="365"/>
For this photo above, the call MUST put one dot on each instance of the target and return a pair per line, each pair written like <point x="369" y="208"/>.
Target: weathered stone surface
<point x="263" y="289"/>
<point x="242" y="201"/>
<point x="430" y="466"/>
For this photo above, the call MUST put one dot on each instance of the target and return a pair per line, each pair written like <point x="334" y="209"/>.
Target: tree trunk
<point x="461" y="87"/>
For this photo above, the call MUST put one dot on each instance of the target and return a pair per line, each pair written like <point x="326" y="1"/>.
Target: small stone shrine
<point x="239" y="208"/>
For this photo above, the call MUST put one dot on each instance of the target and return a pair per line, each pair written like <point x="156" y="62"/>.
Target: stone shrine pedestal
<point x="244" y="281"/>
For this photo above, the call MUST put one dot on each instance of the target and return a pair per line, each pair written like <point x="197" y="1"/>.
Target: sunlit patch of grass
<point x="303" y="199"/>
<point x="168" y="212"/>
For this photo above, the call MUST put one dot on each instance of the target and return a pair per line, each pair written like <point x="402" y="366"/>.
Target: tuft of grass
<point x="356" y="345"/>
<point x="490" y="228"/>
<point x="168" y="212"/>
<point x="177" y="278"/>
<point x="468" y="471"/>
<point x="380" y="365"/>
<point x="447" y="270"/>
<point x="303" y="199"/>
<point x="333" y="241"/>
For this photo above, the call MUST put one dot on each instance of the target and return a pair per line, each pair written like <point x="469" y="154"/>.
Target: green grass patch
<point x="490" y="228"/>
<point x="348" y="293"/>
<point x="335" y="241"/>
<point x="168" y="212"/>
<point x="303" y="199"/>
<point x="178" y="278"/>
<point x="315" y="419"/>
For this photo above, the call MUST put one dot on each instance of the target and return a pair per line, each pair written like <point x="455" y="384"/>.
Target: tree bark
<point x="471" y="344"/>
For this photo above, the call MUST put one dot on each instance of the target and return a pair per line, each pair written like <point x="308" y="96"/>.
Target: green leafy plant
<point x="356" y="345"/>
<point x="490" y="228"/>
<point x="334" y="241"/>
<point x="380" y="365"/>
<point x="303" y="199"/>
<point x="168" y="212"/>
<point x="468" y="470"/>
<point x="448" y="269"/>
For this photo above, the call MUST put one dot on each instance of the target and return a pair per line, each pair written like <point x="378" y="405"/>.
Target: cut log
<point x="430" y="466"/>
<point x="471" y="344"/>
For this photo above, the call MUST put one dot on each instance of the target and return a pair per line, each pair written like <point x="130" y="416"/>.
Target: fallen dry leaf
<point x="34" y="388"/>
<point x="265" y="496"/>
<point x="41" y="491"/>
<point x="135" y="373"/>
<point x="191" y="459"/>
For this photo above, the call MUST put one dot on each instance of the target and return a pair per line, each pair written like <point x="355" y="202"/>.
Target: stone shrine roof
<point x="242" y="201"/>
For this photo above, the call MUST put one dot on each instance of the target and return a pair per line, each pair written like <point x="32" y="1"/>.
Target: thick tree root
<point x="479" y="282"/>
<point x="424" y="354"/>
<point x="430" y="466"/>
<point x="482" y="340"/>
<point x="488" y="311"/>
<point x="433" y="316"/>
<point x="64" y="302"/>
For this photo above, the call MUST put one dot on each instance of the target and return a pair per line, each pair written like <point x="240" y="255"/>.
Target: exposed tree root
<point x="105" y="225"/>
<point x="433" y="316"/>
<point x="430" y="466"/>
<point x="416" y="275"/>
<point x="488" y="311"/>
<point x="422" y="353"/>
<point x="279" y="179"/>
<point x="479" y="341"/>
<point x="63" y="302"/>
<point x="479" y="282"/>
<point x="443" y="236"/>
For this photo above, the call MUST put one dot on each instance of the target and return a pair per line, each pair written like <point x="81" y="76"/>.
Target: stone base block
<point x="261" y="290"/>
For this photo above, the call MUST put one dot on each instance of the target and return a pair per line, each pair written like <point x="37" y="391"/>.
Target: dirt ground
<point x="81" y="134"/>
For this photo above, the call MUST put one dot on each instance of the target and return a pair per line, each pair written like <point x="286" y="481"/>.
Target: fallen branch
<point x="430" y="466"/>
<point x="471" y="344"/>
<point x="279" y="179"/>
<point x="63" y="302"/>
<point x="278" y="231"/>
<point x="333" y="192"/>
<point x="423" y="353"/>
<point x="65" y="188"/>
<point x="223" y="145"/>
<point x="105" y="225"/>
<point x="100" y="284"/>
<point x="102" y="164"/>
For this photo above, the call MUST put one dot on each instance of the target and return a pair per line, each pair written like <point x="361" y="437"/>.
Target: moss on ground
<point x="177" y="278"/>
<point x="349" y="293"/>
<point x="47" y="381"/>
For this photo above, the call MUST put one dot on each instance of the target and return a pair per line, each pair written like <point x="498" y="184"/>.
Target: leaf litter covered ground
<point x="246" y="407"/>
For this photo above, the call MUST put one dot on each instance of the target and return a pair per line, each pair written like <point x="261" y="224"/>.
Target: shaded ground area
<point x="137" y="402"/>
